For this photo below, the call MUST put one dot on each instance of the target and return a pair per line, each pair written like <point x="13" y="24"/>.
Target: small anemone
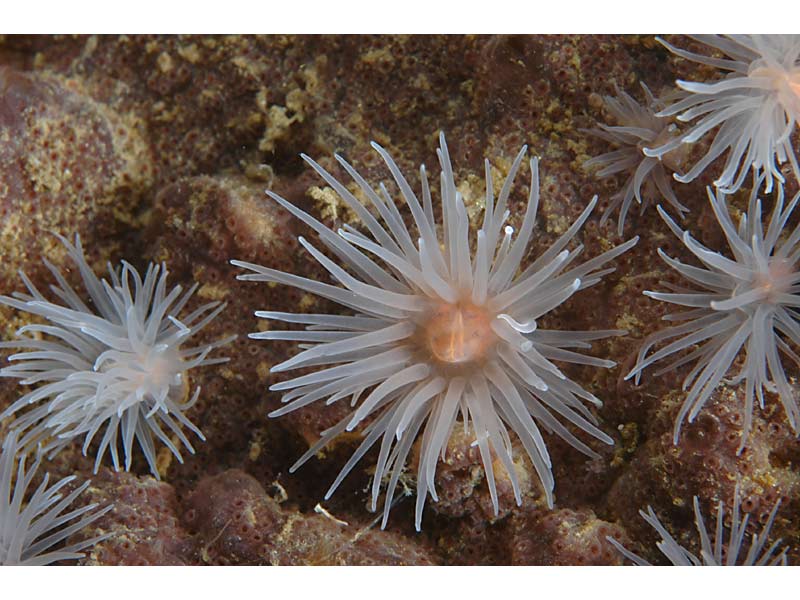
<point x="748" y="301"/>
<point x="638" y="126"/>
<point x="437" y="332"/>
<point x="33" y="525"/>
<point x="115" y="363"/>
<point x="719" y="552"/>
<point x="756" y="107"/>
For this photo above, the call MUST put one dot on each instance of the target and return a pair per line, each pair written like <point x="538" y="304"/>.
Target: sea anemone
<point x="437" y="333"/>
<point x="719" y="554"/>
<point x="115" y="363"/>
<point x="637" y="126"/>
<point x="749" y="300"/>
<point x="756" y="106"/>
<point x="31" y="531"/>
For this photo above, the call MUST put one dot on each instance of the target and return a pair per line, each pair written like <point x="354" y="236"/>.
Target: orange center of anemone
<point x="786" y="83"/>
<point x="459" y="333"/>
<point x="794" y="85"/>
<point x="775" y="281"/>
<point x="158" y="369"/>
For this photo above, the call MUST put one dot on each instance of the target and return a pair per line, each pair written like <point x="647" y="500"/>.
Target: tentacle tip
<point x="650" y="152"/>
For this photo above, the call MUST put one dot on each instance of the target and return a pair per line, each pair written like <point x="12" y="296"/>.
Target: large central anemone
<point x="440" y="333"/>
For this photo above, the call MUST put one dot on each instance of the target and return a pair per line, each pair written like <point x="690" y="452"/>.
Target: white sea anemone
<point x="114" y="364"/>
<point x="437" y="333"/>
<point x="719" y="553"/>
<point x="33" y="524"/>
<point x="748" y="301"/>
<point x="637" y="127"/>
<point x="755" y="106"/>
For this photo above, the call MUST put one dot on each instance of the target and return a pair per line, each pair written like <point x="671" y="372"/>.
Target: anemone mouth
<point x="769" y="286"/>
<point x="776" y="282"/>
<point x="458" y="335"/>
<point x="793" y="83"/>
<point x="784" y="83"/>
<point x="161" y="369"/>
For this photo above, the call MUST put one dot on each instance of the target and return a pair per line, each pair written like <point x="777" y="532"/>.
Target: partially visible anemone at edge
<point x="755" y="108"/>
<point x="715" y="551"/>
<point x="111" y="360"/>
<point x="434" y="332"/>
<point x="35" y="524"/>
